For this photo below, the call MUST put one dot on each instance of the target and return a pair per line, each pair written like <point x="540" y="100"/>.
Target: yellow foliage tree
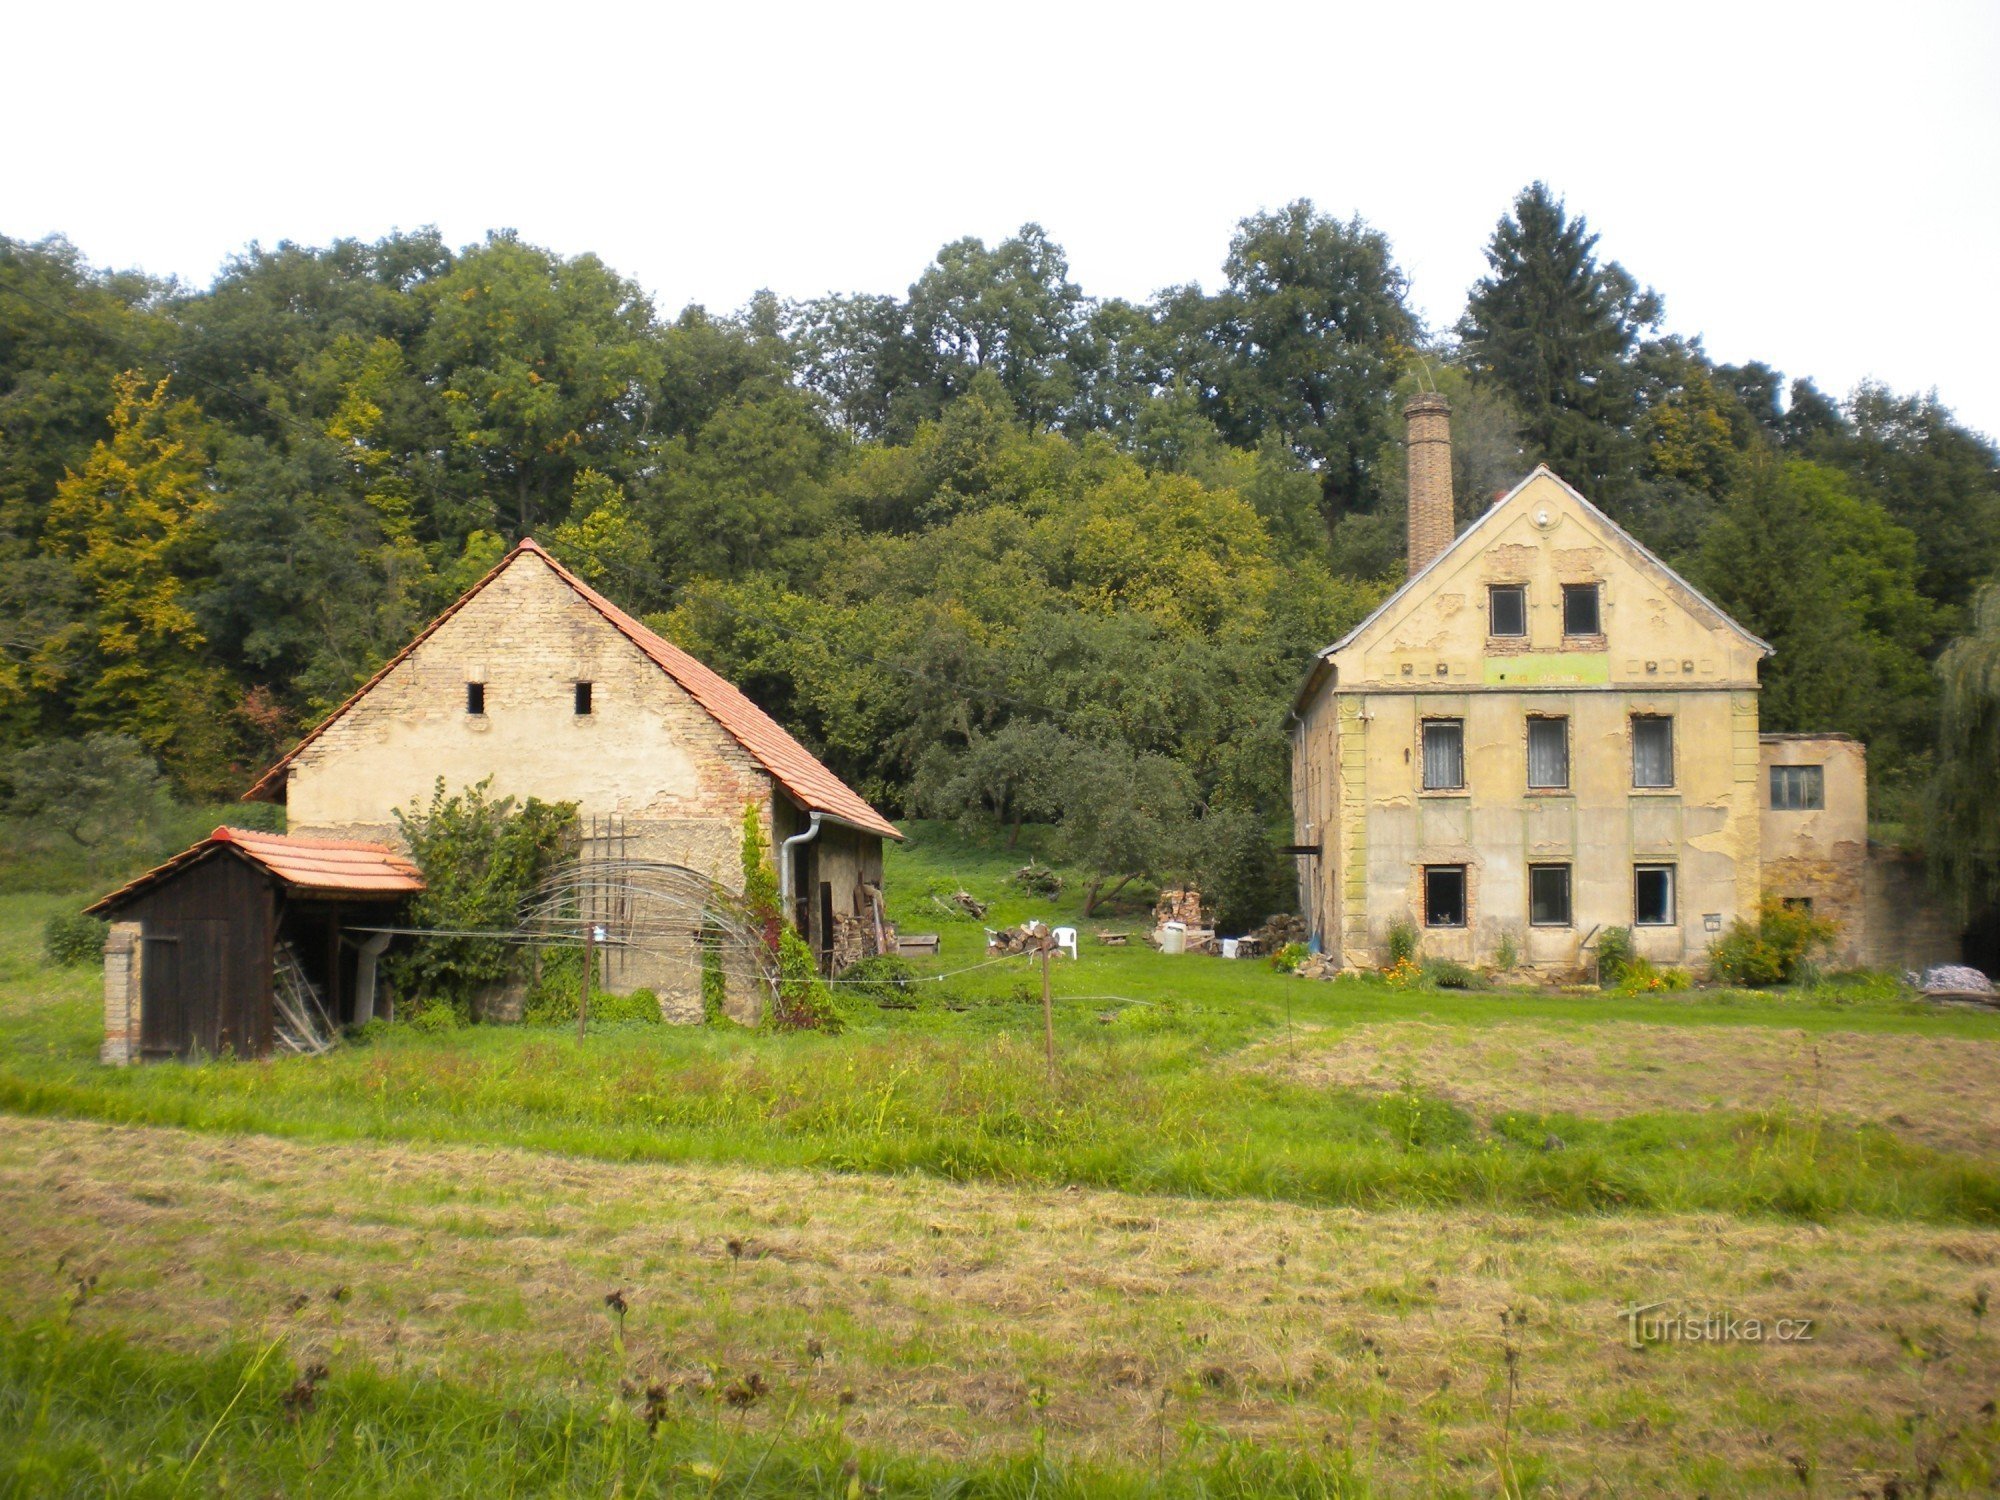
<point x="125" y="524"/>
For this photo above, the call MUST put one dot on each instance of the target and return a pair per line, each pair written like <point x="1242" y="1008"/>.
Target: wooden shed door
<point x="181" y="988"/>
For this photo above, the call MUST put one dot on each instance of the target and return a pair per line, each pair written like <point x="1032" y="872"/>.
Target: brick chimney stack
<point x="1431" y="529"/>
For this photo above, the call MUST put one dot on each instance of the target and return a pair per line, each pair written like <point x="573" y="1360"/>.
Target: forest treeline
<point x="996" y="549"/>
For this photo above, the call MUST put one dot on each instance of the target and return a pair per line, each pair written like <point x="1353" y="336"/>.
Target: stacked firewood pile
<point x="1279" y="929"/>
<point x="1184" y="907"/>
<point x="1027" y="938"/>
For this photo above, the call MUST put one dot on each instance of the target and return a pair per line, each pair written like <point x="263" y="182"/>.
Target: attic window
<point x="582" y="699"/>
<point x="1581" y="615"/>
<point x="1507" y="609"/>
<point x="475" y="697"/>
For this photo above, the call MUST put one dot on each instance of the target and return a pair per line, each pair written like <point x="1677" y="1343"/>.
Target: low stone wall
<point x="1908" y="925"/>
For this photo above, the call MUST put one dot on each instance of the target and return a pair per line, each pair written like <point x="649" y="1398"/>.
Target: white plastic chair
<point x="1066" y="939"/>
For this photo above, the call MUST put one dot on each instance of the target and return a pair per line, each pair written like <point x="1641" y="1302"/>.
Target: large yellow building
<point x="1545" y="732"/>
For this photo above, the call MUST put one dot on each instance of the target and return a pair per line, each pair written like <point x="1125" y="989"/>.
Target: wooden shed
<point x="246" y="942"/>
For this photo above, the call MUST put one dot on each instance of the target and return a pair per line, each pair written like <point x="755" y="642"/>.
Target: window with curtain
<point x="1798" y="788"/>
<point x="1548" y="753"/>
<point x="1548" y="895"/>
<point x="1653" y="896"/>
<point x="1507" y="609"/>
<point x="1444" y="755"/>
<point x="1652" y="750"/>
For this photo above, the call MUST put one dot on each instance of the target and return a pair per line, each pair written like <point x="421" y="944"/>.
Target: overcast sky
<point x="1816" y="185"/>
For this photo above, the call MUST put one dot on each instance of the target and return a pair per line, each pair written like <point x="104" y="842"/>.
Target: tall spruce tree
<point x="1557" y="331"/>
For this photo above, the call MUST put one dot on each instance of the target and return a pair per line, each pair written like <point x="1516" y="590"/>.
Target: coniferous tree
<point x="1557" y="331"/>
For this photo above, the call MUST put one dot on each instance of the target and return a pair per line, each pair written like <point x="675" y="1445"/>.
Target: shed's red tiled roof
<point x="790" y="764"/>
<point x="343" y="867"/>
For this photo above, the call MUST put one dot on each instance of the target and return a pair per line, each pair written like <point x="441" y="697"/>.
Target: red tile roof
<point x="790" y="764"/>
<point x="314" y="866"/>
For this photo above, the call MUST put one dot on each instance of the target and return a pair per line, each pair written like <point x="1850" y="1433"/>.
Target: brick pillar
<point x="1429" y="445"/>
<point x="122" y="961"/>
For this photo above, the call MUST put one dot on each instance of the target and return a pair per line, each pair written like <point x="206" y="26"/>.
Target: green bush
<point x="1289" y="959"/>
<point x="552" y="993"/>
<point x="1508" y="954"/>
<point x="1448" y="974"/>
<point x="803" y="1001"/>
<point x="1402" y="943"/>
<point x="72" y="938"/>
<point x="641" y="1006"/>
<point x="714" y="980"/>
<point x="1641" y="978"/>
<point x="1773" y="950"/>
<point x="480" y="858"/>
<point x="432" y="1017"/>
<point x="889" y="981"/>
<point x="1614" y="954"/>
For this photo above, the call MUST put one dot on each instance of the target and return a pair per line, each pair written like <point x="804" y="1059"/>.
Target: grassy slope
<point x="1190" y="1076"/>
<point x="1151" y="1094"/>
<point x="964" y="1324"/>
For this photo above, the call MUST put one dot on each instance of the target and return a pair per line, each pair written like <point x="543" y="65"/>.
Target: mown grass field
<point x="1258" y="1237"/>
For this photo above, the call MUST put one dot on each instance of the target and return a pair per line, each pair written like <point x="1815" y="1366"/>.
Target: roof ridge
<point x="769" y="743"/>
<point x="1646" y="553"/>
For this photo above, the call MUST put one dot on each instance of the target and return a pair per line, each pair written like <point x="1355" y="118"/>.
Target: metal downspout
<point x="785" y="880"/>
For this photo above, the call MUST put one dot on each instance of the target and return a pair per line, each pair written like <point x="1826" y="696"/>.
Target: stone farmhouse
<point x="1546" y="732"/>
<point x="539" y="682"/>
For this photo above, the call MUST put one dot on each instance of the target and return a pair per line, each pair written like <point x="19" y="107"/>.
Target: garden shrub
<point x="1773" y="950"/>
<point x="72" y="938"/>
<point x="1640" y="977"/>
<point x="1290" y="958"/>
<point x="480" y="859"/>
<point x="641" y="1006"/>
<point x="714" y="981"/>
<point x="552" y="993"/>
<point x="887" y="980"/>
<point x="432" y="1017"/>
<point x="803" y="1001"/>
<point x="1614" y="954"/>
<point x="1402" y="943"/>
<point x="1449" y="974"/>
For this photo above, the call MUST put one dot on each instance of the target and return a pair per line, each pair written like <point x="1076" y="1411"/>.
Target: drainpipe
<point x="364" y="975"/>
<point x="785" y="881"/>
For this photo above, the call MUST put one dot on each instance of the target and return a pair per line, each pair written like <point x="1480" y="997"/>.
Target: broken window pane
<point x="1652" y="750"/>
<point x="1653" y="896"/>
<point x="1548" y="895"/>
<point x="1444" y="895"/>
<point x="1444" y="755"/>
<point x="1580" y="612"/>
<point x="1798" y="788"/>
<point x="1548" y="752"/>
<point x="1507" y="609"/>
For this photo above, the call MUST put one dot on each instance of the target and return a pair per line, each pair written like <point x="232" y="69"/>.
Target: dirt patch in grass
<point x="1938" y="1091"/>
<point x="962" y="1319"/>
